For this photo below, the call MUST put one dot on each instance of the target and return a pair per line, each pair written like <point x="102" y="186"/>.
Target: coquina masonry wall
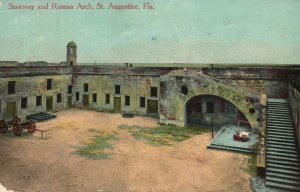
<point x="30" y="87"/>
<point x="132" y="85"/>
<point x="270" y="81"/>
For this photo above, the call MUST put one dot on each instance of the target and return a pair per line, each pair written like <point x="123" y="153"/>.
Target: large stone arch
<point x="173" y="99"/>
<point x="214" y="97"/>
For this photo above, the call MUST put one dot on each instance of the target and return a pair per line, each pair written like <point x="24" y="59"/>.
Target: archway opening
<point x="213" y="111"/>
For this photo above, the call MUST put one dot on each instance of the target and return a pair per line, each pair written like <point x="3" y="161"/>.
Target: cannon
<point x="128" y="115"/>
<point x="17" y="126"/>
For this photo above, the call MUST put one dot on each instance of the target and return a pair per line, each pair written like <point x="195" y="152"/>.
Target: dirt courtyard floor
<point x="30" y="163"/>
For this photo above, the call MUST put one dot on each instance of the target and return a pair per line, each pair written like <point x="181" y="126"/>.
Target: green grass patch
<point x="163" y="134"/>
<point x="99" y="147"/>
<point x="92" y="130"/>
<point x="252" y="165"/>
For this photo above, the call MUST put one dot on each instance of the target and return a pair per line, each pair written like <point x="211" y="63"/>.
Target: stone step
<point x="274" y="100"/>
<point x="287" y="137"/>
<point x="280" y="158"/>
<point x="276" y="126"/>
<point x="291" y="177"/>
<point x="283" y="171"/>
<point x="282" y="101"/>
<point x="284" y="147"/>
<point x="283" y="184"/>
<point x="275" y="119"/>
<point x="278" y="108"/>
<point x="280" y="123"/>
<point x="287" y="167"/>
<point x="286" y="119"/>
<point x="280" y="143"/>
<point x="280" y="129"/>
<point x="278" y="104"/>
<point x="276" y="114"/>
<point x="283" y="112"/>
<point x="280" y="147"/>
<point x="271" y="132"/>
<point x="278" y="120"/>
<point x="276" y="149"/>
<point x="284" y="181"/>
<point x="275" y="103"/>
<point x="234" y="149"/>
<point x="286" y="163"/>
<point x="296" y="156"/>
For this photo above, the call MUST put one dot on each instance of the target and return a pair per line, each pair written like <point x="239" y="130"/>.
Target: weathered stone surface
<point x="30" y="87"/>
<point x="241" y="86"/>
<point x="199" y="84"/>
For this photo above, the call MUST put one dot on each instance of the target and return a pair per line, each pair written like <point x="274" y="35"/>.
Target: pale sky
<point x="176" y="31"/>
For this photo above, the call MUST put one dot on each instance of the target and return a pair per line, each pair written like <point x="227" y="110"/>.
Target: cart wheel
<point x="31" y="126"/>
<point x="3" y="126"/>
<point x="17" y="129"/>
<point x="16" y="120"/>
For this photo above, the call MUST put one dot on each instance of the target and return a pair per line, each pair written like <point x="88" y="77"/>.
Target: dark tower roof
<point x="71" y="44"/>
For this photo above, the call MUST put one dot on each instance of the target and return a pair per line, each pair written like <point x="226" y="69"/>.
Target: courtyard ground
<point x="32" y="164"/>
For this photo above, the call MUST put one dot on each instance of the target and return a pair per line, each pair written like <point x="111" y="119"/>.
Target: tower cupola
<point x="71" y="53"/>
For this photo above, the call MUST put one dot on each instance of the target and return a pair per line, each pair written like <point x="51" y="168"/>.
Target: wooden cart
<point x="17" y="125"/>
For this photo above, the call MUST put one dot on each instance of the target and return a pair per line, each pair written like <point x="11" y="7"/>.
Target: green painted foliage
<point x="100" y="147"/>
<point x="163" y="135"/>
<point x="252" y="165"/>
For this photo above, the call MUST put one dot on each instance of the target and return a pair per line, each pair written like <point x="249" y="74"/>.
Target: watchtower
<point x="71" y="54"/>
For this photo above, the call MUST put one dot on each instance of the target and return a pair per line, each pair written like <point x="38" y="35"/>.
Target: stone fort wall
<point x="135" y="82"/>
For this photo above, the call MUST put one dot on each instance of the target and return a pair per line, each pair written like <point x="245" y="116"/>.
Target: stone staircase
<point x="282" y="160"/>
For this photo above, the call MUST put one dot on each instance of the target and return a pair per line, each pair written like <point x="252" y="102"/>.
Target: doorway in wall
<point x="117" y="104"/>
<point x="69" y="101"/>
<point x="85" y="101"/>
<point x="152" y="107"/>
<point x="49" y="104"/>
<point x="11" y="110"/>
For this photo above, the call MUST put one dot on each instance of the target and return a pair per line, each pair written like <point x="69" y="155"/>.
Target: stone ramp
<point x="282" y="159"/>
